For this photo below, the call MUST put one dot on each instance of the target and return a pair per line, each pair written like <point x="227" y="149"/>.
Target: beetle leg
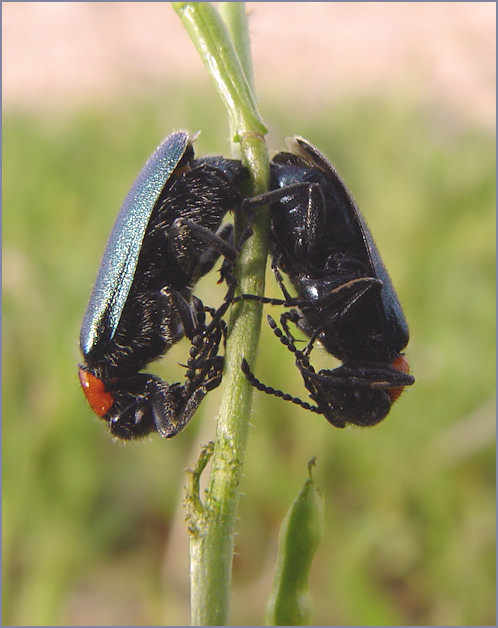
<point x="171" y="410"/>
<point x="220" y="242"/>
<point x="191" y="314"/>
<point x="351" y="291"/>
<point x="218" y="313"/>
<point x="381" y="378"/>
<point x="268" y="300"/>
<point x="204" y="350"/>
<point x="272" y="196"/>
<point x="175" y="410"/>
<point x="228" y="262"/>
<point x="213" y="239"/>
<point x="287" y="301"/>
<point x="287" y="340"/>
<point x="301" y="359"/>
<point x="173" y="406"/>
<point x="292" y="316"/>
<point x="212" y="253"/>
<point x="280" y="280"/>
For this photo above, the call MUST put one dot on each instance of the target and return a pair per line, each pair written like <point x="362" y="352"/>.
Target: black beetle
<point x="167" y="235"/>
<point x="345" y="296"/>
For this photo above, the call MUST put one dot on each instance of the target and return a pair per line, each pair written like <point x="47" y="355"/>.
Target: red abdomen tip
<point x="400" y="364"/>
<point x="100" y="401"/>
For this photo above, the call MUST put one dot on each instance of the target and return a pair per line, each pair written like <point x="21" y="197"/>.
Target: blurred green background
<point x="93" y="529"/>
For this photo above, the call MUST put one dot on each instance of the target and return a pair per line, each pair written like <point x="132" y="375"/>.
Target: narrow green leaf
<point x="289" y="603"/>
<point x="234" y="16"/>
<point x="212" y="40"/>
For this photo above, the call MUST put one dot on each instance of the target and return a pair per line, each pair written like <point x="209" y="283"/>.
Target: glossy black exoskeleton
<point x="345" y="296"/>
<point x="167" y="235"/>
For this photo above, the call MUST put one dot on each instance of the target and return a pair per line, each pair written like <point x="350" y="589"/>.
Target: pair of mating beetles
<point x="169" y="233"/>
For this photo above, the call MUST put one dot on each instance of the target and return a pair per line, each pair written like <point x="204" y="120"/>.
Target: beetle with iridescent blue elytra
<point x="345" y="297"/>
<point x="168" y="234"/>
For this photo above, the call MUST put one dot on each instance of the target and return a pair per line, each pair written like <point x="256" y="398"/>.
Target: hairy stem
<point x="224" y="48"/>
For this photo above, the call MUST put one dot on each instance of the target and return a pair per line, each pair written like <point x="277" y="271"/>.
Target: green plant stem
<point x="212" y="523"/>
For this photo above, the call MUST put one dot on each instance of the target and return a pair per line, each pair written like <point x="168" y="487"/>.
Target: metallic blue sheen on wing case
<point x="120" y="259"/>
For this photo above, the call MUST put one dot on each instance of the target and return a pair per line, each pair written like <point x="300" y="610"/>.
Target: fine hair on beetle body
<point x="345" y="297"/>
<point x="168" y="234"/>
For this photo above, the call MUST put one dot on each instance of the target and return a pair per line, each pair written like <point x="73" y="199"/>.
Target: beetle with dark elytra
<point x="345" y="298"/>
<point x="167" y="235"/>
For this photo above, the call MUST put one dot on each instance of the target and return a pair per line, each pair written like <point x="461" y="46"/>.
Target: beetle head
<point x="122" y="402"/>
<point x="362" y="395"/>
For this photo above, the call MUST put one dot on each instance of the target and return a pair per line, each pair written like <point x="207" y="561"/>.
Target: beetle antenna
<point x="254" y="381"/>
